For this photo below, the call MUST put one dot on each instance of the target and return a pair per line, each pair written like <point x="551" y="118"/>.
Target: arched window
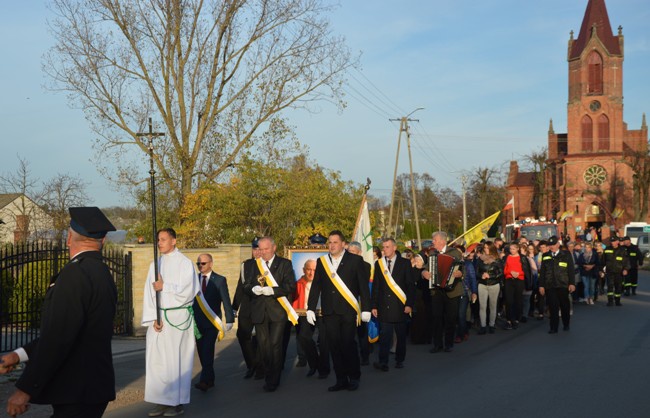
<point x="595" y="66"/>
<point x="603" y="133"/>
<point x="587" y="134"/>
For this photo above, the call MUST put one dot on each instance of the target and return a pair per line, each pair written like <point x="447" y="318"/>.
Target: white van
<point x="635" y="229"/>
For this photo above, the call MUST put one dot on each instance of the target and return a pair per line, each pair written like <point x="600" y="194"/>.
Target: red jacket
<point x="299" y="301"/>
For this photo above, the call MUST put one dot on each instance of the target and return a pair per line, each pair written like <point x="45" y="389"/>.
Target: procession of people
<point x="448" y="288"/>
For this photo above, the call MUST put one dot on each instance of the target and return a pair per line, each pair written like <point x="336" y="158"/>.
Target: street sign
<point x="646" y="228"/>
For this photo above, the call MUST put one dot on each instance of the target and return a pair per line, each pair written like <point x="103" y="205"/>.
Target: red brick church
<point x="586" y="183"/>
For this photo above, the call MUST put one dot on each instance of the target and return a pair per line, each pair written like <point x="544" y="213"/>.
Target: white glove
<point x="267" y="291"/>
<point x="311" y="317"/>
<point x="228" y="326"/>
<point x="365" y="316"/>
<point x="257" y="290"/>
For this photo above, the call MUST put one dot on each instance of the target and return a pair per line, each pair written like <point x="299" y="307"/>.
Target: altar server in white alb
<point x="170" y="344"/>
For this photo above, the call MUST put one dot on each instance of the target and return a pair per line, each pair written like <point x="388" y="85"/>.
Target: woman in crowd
<point x="588" y="262"/>
<point x="599" y="248"/>
<point x="469" y="295"/>
<point x="530" y="252"/>
<point x="515" y="271"/>
<point x="489" y="276"/>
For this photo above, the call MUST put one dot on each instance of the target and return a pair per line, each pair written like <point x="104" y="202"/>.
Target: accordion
<point x="442" y="268"/>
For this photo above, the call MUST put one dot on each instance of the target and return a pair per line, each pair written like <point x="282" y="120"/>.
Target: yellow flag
<point x="476" y="233"/>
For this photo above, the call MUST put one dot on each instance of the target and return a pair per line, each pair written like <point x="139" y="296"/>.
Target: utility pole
<point x="463" y="180"/>
<point x="404" y="127"/>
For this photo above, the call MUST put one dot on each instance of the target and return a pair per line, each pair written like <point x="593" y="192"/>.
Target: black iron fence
<point x="25" y="273"/>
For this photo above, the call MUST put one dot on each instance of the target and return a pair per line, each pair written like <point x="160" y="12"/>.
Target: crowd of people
<point x="338" y="307"/>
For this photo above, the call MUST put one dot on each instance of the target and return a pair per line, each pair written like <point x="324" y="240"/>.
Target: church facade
<point x="586" y="181"/>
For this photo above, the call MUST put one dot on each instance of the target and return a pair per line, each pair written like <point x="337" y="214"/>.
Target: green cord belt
<point x="185" y="325"/>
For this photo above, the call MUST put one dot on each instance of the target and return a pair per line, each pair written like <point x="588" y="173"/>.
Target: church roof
<point x="524" y="180"/>
<point x="596" y="14"/>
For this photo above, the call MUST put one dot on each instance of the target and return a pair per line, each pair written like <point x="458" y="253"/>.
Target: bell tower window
<point x="587" y="134"/>
<point x="595" y="68"/>
<point x="603" y="133"/>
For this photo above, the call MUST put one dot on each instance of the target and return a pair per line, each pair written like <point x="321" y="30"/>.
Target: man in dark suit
<point x="393" y="295"/>
<point x="340" y="282"/>
<point x="70" y="364"/>
<point x="444" y="302"/>
<point x="267" y="312"/>
<point x="242" y="305"/>
<point x="215" y="291"/>
<point x="362" y="330"/>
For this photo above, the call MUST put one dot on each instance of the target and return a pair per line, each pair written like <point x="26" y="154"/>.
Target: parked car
<point x="644" y="245"/>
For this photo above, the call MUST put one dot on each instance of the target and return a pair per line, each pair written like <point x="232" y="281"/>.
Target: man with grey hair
<point x="362" y="330"/>
<point x="444" y="302"/>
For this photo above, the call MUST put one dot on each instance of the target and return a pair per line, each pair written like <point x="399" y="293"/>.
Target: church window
<point x="603" y="133"/>
<point x="595" y="67"/>
<point x="587" y="134"/>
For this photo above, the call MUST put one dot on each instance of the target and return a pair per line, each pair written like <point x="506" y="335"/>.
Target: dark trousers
<point x="514" y="290"/>
<point x="558" y="299"/>
<point x="306" y="343"/>
<point x="632" y="278"/>
<point x="247" y="342"/>
<point x="461" y="329"/>
<point x="444" y="317"/>
<point x="270" y="336"/>
<point x="286" y="337"/>
<point x="341" y="338"/>
<point x="386" y="330"/>
<point x="79" y="410"/>
<point x="364" y="344"/>
<point x="614" y="285"/>
<point x="205" y="348"/>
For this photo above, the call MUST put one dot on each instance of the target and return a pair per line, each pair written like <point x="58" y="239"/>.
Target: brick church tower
<point x="586" y="182"/>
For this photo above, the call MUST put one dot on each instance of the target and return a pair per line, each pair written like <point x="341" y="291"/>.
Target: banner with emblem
<point x="341" y="287"/>
<point x="267" y="278"/>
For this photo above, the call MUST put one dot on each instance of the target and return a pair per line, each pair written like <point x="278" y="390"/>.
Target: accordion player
<point x="442" y="268"/>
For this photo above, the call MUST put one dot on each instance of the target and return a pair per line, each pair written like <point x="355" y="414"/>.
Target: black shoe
<point x="566" y="328"/>
<point x="380" y="366"/>
<point x="552" y="331"/>
<point x="203" y="386"/>
<point x="449" y="349"/>
<point x="491" y="330"/>
<point x="354" y="384"/>
<point x="269" y="388"/>
<point x="508" y="326"/>
<point x="618" y="301"/>
<point x="435" y="350"/>
<point x="301" y="363"/>
<point x="364" y="362"/>
<point x="523" y="320"/>
<point x="311" y="372"/>
<point x="399" y="365"/>
<point x="249" y="373"/>
<point x="338" y="386"/>
<point x="482" y="331"/>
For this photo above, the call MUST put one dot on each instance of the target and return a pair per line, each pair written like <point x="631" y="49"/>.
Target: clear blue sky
<point x="489" y="75"/>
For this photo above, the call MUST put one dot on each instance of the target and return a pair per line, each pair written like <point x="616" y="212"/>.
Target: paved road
<point x="600" y="368"/>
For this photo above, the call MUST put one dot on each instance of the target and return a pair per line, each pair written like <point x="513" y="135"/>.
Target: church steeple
<point x="595" y="23"/>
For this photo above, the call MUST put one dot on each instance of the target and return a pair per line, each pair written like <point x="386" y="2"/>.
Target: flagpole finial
<point x="367" y="186"/>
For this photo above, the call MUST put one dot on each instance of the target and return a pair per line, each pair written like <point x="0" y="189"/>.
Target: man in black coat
<point x="215" y="291"/>
<point x="70" y="364"/>
<point x="267" y="312"/>
<point x="557" y="282"/>
<point x="393" y="296"/>
<point x="242" y="305"/>
<point x="340" y="282"/>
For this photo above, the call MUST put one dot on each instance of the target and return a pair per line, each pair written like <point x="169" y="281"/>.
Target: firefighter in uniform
<point x="636" y="260"/>
<point x="557" y="282"/>
<point x="617" y="265"/>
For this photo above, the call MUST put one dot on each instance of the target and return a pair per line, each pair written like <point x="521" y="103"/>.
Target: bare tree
<point x="60" y="193"/>
<point x="216" y="74"/>
<point x="639" y="161"/>
<point x="537" y="162"/>
<point x="27" y="217"/>
<point x="486" y="189"/>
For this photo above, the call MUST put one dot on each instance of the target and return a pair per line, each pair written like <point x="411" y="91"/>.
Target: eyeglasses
<point x="201" y="263"/>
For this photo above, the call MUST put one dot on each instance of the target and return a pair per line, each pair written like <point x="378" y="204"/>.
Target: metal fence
<point x="25" y="274"/>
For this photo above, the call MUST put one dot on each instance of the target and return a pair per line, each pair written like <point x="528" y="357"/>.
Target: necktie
<point x="204" y="284"/>
<point x="388" y="262"/>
